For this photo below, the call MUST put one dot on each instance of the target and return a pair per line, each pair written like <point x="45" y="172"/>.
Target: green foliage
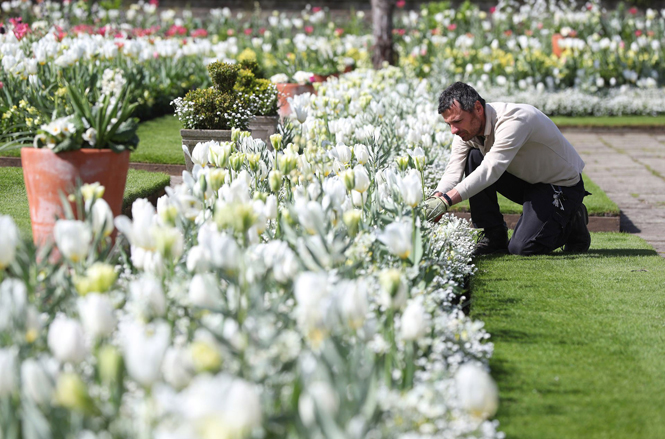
<point x="577" y="339"/>
<point x="210" y="105"/>
<point x="252" y="65"/>
<point x="223" y="75"/>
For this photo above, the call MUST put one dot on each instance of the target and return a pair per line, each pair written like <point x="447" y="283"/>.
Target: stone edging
<point x="596" y="223"/>
<point x="648" y="129"/>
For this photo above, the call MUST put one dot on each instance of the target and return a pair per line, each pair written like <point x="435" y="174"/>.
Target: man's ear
<point x="478" y="108"/>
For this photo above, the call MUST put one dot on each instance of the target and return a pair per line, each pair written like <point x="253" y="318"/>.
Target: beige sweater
<point x="519" y="139"/>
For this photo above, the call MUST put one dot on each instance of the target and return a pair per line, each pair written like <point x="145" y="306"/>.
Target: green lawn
<point x="160" y="142"/>
<point x="14" y="201"/>
<point x="579" y="340"/>
<point x="609" y="121"/>
<point x="597" y="204"/>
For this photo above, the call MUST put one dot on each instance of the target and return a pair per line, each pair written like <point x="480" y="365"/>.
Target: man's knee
<point x="527" y="248"/>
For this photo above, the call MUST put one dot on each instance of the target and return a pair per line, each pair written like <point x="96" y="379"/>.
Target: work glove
<point x="435" y="207"/>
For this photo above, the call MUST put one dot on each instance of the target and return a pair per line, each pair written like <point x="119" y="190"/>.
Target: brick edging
<point x="15" y="162"/>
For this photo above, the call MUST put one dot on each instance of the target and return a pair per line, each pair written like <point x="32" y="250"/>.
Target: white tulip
<point x="342" y="153"/>
<point x="73" y="239"/>
<point x="318" y="395"/>
<point x="204" y="291"/>
<point x="271" y="207"/>
<point x="102" y="218"/>
<point x="66" y="340"/>
<point x="13" y="302"/>
<point x="415" y="321"/>
<point x="411" y="188"/>
<point x="147" y="297"/>
<point x="178" y="367"/>
<point x="352" y="302"/>
<point x="38" y="380"/>
<point x="362" y="179"/>
<point x="8" y="378"/>
<point x="397" y="237"/>
<point x="223" y="249"/>
<point x="362" y="155"/>
<point x="310" y="215"/>
<point x="144" y="349"/>
<point x="9" y="238"/>
<point x="476" y="391"/>
<point x="96" y="313"/>
<point x="198" y="259"/>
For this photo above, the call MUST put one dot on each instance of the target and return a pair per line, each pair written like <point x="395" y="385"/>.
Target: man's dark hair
<point x="462" y="93"/>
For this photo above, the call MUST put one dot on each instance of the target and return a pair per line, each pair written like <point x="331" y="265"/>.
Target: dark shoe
<point x="579" y="239"/>
<point x="493" y="240"/>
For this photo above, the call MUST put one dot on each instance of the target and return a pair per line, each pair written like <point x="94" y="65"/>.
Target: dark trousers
<point x="543" y="227"/>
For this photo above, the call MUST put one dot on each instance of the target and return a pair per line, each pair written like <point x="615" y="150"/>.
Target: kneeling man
<point x="517" y="151"/>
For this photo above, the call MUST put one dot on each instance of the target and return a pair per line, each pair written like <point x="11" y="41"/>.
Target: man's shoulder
<point x="520" y="112"/>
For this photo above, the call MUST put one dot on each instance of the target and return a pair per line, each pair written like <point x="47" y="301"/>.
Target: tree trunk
<point x="382" y="20"/>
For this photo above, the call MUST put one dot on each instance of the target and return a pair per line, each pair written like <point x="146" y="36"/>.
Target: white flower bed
<point x="290" y="294"/>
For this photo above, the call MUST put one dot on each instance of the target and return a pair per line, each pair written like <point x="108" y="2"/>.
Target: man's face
<point x="466" y="124"/>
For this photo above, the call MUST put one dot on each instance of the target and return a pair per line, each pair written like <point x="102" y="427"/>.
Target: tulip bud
<point x="72" y="393"/>
<point x="253" y="161"/>
<point x="276" y="141"/>
<point x="109" y="362"/>
<point x="216" y="179"/>
<point x="92" y="191"/>
<point x="349" y="179"/>
<point x="102" y="218"/>
<point x="362" y="179"/>
<point x="352" y="219"/>
<point x="393" y="289"/>
<point x="101" y="276"/>
<point x="402" y="162"/>
<point x="236" y="160"/>
<point x="361" y="153"/>
<point x="275" y="180"/>
<point x="205" y="356"/>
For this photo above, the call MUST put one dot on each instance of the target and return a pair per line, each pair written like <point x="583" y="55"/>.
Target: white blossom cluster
<point x="296" y="289"/>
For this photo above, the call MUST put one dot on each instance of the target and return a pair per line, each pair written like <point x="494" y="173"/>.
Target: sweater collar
<point x="490" y="119"/>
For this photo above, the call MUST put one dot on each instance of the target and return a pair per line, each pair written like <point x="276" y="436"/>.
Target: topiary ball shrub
<point x="223" y="75"/>
<point x="206" y="108"/>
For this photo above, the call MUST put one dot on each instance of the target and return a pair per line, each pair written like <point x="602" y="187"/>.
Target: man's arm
<point x="452" y="194"/>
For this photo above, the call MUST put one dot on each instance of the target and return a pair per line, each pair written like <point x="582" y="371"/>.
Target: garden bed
<point x="14" y="201"/>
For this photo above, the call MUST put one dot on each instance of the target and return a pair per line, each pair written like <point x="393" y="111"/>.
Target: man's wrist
<point x="447" y="199"/>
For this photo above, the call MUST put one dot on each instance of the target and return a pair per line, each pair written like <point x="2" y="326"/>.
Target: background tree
<point x="382" y="21"/>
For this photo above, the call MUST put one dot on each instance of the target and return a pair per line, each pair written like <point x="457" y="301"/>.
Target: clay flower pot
<point x="556" y="50"/>
<point x="287" y="90"/>
<point x="47" y="174"/>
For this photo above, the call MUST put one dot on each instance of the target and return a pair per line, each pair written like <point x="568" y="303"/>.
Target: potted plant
<point x="237" y="99"/>
<point x="90" y="145"/>
<point x="302" y="83"/>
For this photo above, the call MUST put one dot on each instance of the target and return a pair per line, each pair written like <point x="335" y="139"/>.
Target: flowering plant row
<point x="294" y="292"/>
<point x="532" y="47"/>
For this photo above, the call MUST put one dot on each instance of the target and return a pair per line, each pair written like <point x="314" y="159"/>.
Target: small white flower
<point x="476" y="391"/>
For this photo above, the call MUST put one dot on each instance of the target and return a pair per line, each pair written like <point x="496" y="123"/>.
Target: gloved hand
<point x="435" y="207"/>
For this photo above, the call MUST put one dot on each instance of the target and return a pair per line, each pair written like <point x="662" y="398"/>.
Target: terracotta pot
<point x="190" y="138"/>
<point x="47" y="174"/>
<point x="262" y="127"/>
<point x="289" y="90"/>
<point x="556" y="49"/>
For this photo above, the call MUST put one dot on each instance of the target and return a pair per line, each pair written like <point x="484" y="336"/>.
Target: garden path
<point x="630" y="167"/>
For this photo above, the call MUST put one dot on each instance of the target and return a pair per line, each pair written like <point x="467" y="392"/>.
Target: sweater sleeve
<point x="510" y="135"/>
<point x="455" y="167"/>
